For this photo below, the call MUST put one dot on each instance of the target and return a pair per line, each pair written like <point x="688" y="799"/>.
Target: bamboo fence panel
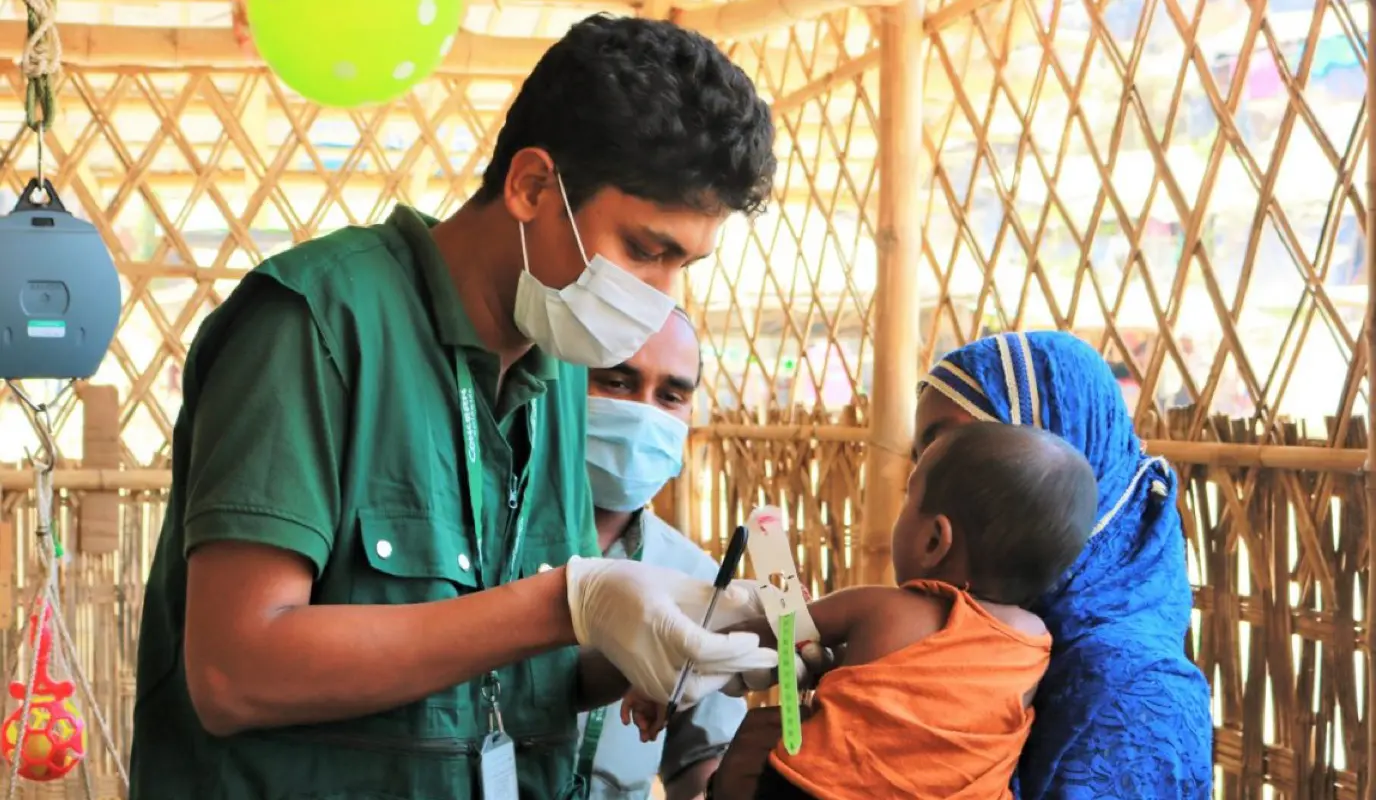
<point x="1181" y="181"/>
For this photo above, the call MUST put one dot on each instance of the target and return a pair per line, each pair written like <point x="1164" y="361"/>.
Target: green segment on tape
<point x="788" y="687"/>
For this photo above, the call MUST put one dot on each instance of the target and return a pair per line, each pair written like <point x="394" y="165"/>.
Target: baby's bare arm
<point x="892" y="621"/>
<point x="599" y="683"/>
<point x="871" y="621"/>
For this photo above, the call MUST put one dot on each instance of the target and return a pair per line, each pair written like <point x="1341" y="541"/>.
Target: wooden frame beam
<point x="747" y="19"/>
<point x="897" y="339"/>
<point x="166" y="48"/>
<point x="591" y="5"/>
<point x="148" y="49"/>
<point x="484" y="110"/>
<point x="1306" y="458"/>
<point x="1349" y="461"/>
<point x="354" y="184"/>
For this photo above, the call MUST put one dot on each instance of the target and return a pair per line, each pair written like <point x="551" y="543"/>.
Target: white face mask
<point x="633" y="450"/>
<point x="599" y="320"/>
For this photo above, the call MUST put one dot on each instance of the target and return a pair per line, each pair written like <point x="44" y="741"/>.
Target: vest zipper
<point x="512" y="503"/>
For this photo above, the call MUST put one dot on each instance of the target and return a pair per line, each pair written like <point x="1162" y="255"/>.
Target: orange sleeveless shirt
<point x="942" y="718"/>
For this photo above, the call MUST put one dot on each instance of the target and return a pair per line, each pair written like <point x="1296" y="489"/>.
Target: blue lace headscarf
<point x="1122" y="712"/>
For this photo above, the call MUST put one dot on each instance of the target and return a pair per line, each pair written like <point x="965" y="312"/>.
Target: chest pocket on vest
<point x="411" y="556"/>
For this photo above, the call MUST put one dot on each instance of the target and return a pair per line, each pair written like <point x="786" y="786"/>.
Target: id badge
<point x="497" y="768"/>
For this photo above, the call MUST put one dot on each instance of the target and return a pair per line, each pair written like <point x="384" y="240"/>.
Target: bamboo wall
<point x="1106" y="167"/>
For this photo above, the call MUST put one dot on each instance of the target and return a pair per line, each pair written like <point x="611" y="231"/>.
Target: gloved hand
<point x="812" y="663"/>
<point x="646" y="621"/>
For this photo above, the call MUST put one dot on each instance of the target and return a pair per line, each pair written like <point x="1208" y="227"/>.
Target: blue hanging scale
<point x="59" y="290"/>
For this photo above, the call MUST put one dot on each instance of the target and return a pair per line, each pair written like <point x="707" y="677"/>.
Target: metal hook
<point x="43" y="425"/>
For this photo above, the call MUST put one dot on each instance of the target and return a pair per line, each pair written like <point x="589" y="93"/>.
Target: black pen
<point x="734" y="550"/>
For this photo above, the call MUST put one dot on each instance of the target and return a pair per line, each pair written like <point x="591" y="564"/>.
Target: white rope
<point x="103" y="727"/>
<point x="43" y="488"/>
<point x="63" y="658"/>
<point x="42" y="56"/>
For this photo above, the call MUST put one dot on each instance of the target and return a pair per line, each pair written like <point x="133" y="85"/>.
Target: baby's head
<point x="1003" y="509"/>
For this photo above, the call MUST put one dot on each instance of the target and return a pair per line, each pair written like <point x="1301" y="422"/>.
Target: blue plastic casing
<point x="59" y="292"/>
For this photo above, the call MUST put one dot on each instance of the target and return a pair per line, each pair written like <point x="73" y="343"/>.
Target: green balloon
<point x="348" y="53"/>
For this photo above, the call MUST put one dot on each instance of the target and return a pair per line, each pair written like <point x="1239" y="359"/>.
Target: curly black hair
<point x="646" y="107"/>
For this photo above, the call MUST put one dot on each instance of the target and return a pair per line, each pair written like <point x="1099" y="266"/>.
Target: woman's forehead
<point x="936" y="413"/>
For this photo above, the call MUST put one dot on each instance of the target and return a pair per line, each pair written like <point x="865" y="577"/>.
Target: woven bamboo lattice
<point x="1177" y="181"/>
<point x="1181" y="182"/>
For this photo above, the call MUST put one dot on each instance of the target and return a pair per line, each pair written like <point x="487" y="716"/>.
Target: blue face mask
<point x="633" y="450"/>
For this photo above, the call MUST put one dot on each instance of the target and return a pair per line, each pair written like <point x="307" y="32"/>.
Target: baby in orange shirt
<point x="932" y="698"/>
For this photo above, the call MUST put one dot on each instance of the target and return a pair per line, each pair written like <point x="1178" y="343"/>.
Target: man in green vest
<point x="369" y="581"/>
<point x="638" y="416"/>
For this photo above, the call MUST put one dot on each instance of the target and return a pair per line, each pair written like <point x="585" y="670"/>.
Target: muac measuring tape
<point x="776" y="572"/>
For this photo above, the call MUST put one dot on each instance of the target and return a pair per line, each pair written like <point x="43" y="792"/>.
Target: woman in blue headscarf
<point x="1122" y="712"/>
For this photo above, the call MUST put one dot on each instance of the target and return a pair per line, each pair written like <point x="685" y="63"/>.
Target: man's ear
<point x="938" y="544"/>
<point x="528" y="178"/>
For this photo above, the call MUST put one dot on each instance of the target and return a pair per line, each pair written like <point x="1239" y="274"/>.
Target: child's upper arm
<point x="892" y="620"/>
<point x="870" y="621"/>
<point x="839" y="614"/>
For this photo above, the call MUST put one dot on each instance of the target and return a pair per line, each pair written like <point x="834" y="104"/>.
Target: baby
<point x="932" y="698"/>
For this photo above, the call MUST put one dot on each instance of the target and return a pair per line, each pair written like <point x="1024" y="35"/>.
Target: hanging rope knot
<point x="41" y="63"/>
<point x="43" y="51"/>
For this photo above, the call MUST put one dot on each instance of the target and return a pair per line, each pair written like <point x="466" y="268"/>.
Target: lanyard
<point x="592" y="729"/>
<point x="517" y="495"/>
<point x="587" y="751"/>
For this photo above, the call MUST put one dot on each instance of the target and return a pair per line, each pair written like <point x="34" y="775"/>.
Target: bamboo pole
<point x="361" y="189"/>
<point x="747" y="19"/>
<point x="208" y="48"/>
<point x="780" y="433"/>
<point x="849" y="71"/>
<point x="1253" y="456"/>
<point x="1302" y="458"/>
<point x="897" y="340"/>
<point x="1368" y="785"/>
<point x="951" y="12"/>
<point x="184" y="48"/>
<point x="106" y="164"/>
<point x="1206" y="454"/>
<point x="91" y="480"/>
<point x="621" y="6"/>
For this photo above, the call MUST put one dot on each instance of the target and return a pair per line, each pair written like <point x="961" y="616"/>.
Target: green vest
<point x="385" y="308"/>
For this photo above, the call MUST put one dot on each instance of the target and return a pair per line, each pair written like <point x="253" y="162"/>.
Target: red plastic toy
<point x="55" y="739"/>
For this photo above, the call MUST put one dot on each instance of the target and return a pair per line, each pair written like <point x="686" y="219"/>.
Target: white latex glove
<point x="812" y="663"/>
<point x="646" y="621"/>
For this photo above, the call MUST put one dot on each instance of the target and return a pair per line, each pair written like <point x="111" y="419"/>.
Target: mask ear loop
<point x="565" y="195"/>
<point x="525" y="254"/>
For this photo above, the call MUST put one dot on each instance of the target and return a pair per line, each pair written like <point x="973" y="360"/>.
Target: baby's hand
<point x="646" y="714"/>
